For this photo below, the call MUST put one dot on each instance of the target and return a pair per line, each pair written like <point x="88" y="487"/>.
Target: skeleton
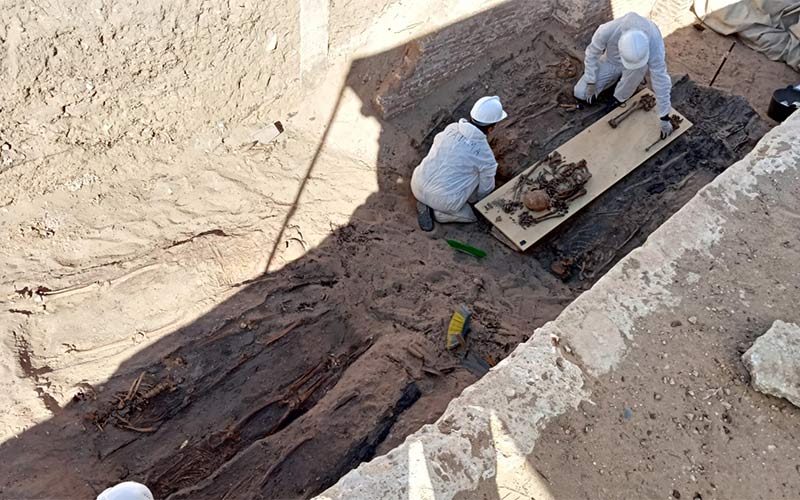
<point x="646" y="103"/>
<point x="563" y="182"/>
<point x="676" y="121"/>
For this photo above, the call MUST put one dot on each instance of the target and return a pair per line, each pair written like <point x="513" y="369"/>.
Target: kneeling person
<point x="622" y="52"/>
<point x="459" y="169"/>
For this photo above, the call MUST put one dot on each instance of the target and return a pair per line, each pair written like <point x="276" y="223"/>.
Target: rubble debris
<point x="774" y="362"/>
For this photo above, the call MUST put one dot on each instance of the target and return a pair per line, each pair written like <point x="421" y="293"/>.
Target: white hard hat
<point x="129" y="490"/>
<point x="488" y="111"/>
<point x="634" y="49"/>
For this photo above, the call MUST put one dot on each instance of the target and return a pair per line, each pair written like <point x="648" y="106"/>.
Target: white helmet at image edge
<point x="634" y="49"/>
<point x="129" y="490"/>
<point x="488" y="111"/>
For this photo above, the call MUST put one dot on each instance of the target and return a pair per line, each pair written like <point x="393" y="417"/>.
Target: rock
<point x="675" y="323"/>
<point x="774" y="362"/>
<point x="692" y="320"/>
<point x="272" y="41"/>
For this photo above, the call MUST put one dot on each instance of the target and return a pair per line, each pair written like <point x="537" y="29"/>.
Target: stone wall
<point x="584" y="15"/>
<point x="429" y="61"/>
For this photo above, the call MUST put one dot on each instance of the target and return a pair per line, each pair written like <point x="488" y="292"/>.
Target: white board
<point x="610" y="154"/>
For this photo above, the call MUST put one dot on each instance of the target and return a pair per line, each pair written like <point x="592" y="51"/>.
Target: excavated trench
<point x="340" y="355"/>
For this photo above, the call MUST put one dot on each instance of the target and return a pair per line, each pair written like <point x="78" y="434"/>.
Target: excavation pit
<point x="304" y="373"/>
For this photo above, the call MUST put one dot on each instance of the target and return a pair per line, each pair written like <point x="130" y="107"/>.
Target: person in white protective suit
<point x="459" y="169"/>
<point x="624" y="50"/>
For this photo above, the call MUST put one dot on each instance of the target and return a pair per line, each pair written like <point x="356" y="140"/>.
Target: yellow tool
<point x="458" y="328"/>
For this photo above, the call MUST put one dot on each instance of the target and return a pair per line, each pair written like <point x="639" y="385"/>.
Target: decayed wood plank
<point x="610" y="154"/>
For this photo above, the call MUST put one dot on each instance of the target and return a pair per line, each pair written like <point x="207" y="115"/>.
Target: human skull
<point x="537" y="200"/>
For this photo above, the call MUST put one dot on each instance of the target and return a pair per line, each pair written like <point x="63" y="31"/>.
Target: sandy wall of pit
<point x="414" y="69"/>
<point x="121" y="125"/>
<point x="585" y="14"/>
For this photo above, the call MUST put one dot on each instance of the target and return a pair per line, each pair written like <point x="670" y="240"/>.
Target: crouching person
<point x="459" y="169"/>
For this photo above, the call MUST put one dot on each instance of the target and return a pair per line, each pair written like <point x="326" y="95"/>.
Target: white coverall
<point x="459" y="168"/>
<point x="603" y="64"/>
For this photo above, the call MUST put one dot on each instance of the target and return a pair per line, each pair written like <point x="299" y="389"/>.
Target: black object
<point x="612" y="104"/>
<point x="779" y="112"/>
<point x="475" y="364"/>
<point x="424" y="217"/>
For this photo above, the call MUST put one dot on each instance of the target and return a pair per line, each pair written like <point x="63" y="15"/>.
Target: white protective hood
<point x="459" y="162"/>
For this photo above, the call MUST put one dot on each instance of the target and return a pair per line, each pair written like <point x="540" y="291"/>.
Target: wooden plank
<point x="502" y="239"/>
<point x="610" y="154"/>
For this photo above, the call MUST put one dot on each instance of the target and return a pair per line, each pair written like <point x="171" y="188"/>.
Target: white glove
<point x="666" y="128"/>
<point x="591" y="91"/>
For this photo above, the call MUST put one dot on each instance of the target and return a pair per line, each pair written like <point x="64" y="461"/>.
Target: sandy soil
<point x="136" y="216"/>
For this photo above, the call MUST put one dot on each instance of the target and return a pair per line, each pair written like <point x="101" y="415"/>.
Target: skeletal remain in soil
<point x="646" y="103"/>
<point x="676" y="121"/>
<point x="562" y="182"/>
